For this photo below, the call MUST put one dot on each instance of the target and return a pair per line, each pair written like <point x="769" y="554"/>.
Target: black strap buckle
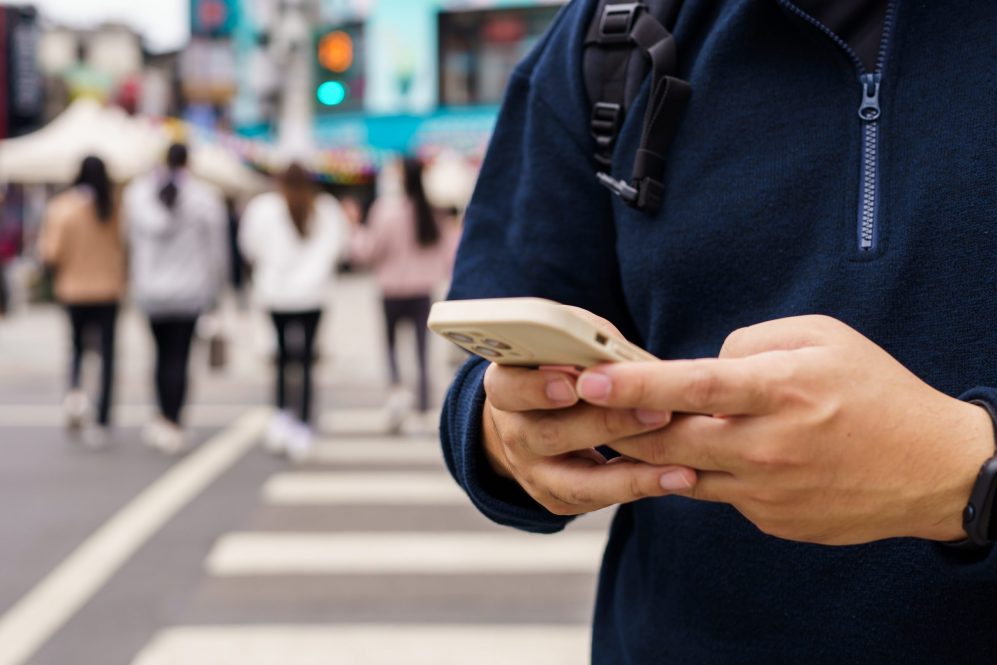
<point x="605" y="123"/>
<point x="644" y="194"/>
<point x="617" y="22"/>
<point x="629" y="194"/>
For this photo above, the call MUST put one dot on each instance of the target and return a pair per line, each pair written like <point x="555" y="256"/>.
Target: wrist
<point x="972" y="444"/>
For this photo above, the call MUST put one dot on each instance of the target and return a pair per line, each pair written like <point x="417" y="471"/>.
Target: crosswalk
<point x="368" y="554"/>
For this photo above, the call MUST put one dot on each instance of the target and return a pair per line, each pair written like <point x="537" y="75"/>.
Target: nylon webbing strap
<point x="616" y="31"/>
<point x="610" y="62"/>
<point x="666" y="102"/>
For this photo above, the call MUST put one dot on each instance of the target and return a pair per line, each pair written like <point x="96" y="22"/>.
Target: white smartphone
<point x="529" y="332"/>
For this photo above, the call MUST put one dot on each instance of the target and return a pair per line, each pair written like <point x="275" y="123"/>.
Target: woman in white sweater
<point x="292" y="238"/>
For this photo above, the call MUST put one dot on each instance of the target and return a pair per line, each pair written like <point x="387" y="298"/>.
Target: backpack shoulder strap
<point x="623" y="41"/>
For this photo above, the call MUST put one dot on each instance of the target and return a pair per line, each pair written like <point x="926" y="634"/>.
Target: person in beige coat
<point x="81" y="243"/>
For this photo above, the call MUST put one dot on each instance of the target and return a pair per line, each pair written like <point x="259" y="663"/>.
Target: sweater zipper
<point x="869" y="113"/>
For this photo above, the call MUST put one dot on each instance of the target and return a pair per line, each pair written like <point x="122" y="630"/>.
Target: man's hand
<point x="537" y="433"/>
<point x="810" y="430"/>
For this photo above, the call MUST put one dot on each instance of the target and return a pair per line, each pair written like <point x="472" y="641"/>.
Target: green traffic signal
<point x="331" y="93"/>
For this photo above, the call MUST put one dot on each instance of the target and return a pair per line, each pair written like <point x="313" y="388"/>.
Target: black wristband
<point x="977" y="516"/>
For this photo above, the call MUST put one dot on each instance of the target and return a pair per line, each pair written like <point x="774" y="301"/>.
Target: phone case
<point x="529" y="332"/>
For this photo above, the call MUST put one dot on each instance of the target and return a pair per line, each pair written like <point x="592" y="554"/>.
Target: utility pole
<point x="291" y="50"/>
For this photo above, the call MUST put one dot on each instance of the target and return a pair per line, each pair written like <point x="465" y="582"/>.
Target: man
<point x="790" y="496"/>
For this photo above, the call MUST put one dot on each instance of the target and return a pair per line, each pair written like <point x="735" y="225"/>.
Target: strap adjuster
<point x="629" y="194"/>
<point x="605" y="123"/>
<point x="617" y="22"/>
<point x="644" y="194"/>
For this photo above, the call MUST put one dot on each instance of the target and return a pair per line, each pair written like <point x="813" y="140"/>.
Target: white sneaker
<point x="174" y="441"/>
<point x="426" y="422"/>
<point x="76" y="405"/>
<point x="278" y="432"/>
<point x="397" y="408"/>
<point x="154" y="433"/>
<point x="300" y="442"/>
<point x="97" y="437"/>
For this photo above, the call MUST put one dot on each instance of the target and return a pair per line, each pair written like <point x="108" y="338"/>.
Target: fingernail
<point x="649" y="417"/>
<point x="674" y="481"/>
<point x="593" y="385"/>
<point x="560" y="390"/>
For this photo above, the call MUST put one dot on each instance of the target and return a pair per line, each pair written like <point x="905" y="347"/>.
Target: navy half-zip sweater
<point x="780" y="200"/>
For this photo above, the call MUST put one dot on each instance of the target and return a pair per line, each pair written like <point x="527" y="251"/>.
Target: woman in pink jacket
<point x="411" y="254"/>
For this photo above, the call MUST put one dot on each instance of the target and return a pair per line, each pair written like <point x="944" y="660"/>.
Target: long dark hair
<point x="427" y="233"/>
<point x="176" y="159"/>
<point x="93" y="174"/>
<point x="298" y="190"/>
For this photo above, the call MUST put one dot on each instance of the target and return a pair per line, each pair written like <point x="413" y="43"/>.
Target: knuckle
<point x="545" y="437"/>
<point x="635" y="390"/>
<point x="497" y="388"/>
<point x="558" y="508"/>
<point x="579" y="497"/>
<point x="637" y="489"/>
<point x="557" y="504"/>
<point x="734" y="342"/>
<point x="770" y="528"/>
<point x="823" y="324"/>
<point x="615" y="423"/>
<point x="766" y="497"/>
<point x="766" y="456"/>
<point x="519" y="441"/>
<point x="655" y="452"/>
<point x="491" y="381"/>
<point x="782" y="370"/>
<point x="771" y="525"/>
<point x="702" y="388"/>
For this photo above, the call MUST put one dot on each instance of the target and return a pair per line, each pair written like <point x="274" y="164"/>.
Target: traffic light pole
<point x="292" y="48"/>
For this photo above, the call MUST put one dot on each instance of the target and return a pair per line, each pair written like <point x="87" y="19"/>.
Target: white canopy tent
<point x="130" y="146"/>
<point x="52" y="155"/>
<point x="224" y="170"/>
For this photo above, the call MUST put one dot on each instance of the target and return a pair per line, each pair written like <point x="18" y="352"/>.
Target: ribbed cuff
<point x="499" y="499"/>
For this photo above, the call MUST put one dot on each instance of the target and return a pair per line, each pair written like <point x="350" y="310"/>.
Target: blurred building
<point x="108" y="63"/>
<point x="208" y="63"/>
<point x="412" y="76"/>
<point x="22" y="90"/>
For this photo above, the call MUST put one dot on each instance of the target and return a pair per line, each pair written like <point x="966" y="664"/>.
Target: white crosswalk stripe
<point x="359" y="488"/>
<point x="378" y="451"/>
<point x="369" y="473"/>
<point x="413" y="553"/>
<point x="384" y="644"/>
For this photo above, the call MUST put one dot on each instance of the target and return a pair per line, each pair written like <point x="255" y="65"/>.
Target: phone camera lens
<point x="460" y="338"/>
<point x="495" y="344"/>
<point x="486" y="352"/>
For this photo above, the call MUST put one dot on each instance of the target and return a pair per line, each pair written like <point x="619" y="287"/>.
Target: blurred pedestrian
<point x="177" y="227"/>
<point x="81" y="244"/>
<point x="293" y="239"/>
<point x="237" y="268"/>
<point x="412" y="254"/>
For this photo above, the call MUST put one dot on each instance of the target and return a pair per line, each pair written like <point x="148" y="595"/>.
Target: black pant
<point x="415" y="310"/>
<point x="87" y="320"/>
<point x="173" y="340"/>
<point x="296" y="342"/>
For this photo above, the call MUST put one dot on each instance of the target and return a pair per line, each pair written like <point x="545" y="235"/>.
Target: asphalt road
<point x="367" y="554"/>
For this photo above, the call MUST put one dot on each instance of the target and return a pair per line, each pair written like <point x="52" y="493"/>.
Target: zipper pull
<point x="869" y="110"/>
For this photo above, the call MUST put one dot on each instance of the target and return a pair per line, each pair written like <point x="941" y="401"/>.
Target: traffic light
<point x="331" y="93"/>
<point x="339" y="76"/>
